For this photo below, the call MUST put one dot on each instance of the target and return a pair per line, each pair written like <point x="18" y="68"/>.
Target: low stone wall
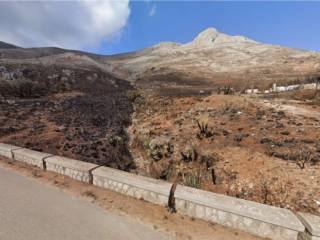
<point x="78" y="170"/>
<point x="30" y="157"/>
<point x="312" y="224"/>
<point x="6" y="150"/>
<point x="255" y="218"/>
<point x="149" y="189"/>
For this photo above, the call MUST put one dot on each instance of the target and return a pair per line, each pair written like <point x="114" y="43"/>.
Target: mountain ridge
<point x="211" y="59"/>
<point x="4" y="45"/>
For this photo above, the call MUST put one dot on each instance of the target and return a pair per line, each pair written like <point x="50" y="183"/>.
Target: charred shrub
<point x="189" y="154"/>
<point x="226" y="90"/>
<point x="21" y="88"/>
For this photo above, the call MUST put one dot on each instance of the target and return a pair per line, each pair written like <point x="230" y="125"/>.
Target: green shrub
<point x="193" y="179"/>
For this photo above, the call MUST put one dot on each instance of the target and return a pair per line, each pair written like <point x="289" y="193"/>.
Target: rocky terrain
<point x="174" y="111"/>
<point x="215" y="59"/>
<point x="234" y="145"/>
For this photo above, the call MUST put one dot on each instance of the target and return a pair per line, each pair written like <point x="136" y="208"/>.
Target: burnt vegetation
<point x="73" y="112"/>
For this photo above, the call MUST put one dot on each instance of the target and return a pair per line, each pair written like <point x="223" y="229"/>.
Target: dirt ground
<point x="235" y="145"/>
<point x="261" y="149"/>
<point x="83" y="114"/>
<point x="181" y="227"/>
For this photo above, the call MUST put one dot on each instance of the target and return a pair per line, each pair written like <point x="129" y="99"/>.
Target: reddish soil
<point x="233" y="145"/>
<point x="249" y="150"/>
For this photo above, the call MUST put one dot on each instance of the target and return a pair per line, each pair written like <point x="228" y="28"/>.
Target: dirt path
<point x="292" y="107"/>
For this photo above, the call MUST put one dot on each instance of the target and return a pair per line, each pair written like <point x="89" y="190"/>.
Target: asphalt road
<point x="30" y="210"/>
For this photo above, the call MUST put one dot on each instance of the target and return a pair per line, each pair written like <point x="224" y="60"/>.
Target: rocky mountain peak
<point x="207" y="36"/>
<point x="211" y="37"/>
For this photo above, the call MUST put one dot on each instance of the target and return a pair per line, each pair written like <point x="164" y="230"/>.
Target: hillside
<point x="4" y="45"/>
<point x="214" y="58"/>
<point x="211" y="60"/>
<point x="62" y="102"/>
<point x="156" y="112"/>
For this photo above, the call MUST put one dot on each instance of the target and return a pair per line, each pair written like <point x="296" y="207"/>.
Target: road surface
<point x="30" y="210"/>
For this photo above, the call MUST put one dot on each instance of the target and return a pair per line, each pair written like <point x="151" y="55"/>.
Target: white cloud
<point x="153" y="10"/>
<point x="68" y="24"/>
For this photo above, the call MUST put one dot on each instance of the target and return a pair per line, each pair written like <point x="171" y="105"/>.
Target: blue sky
<point x="292" y="24"/>
<point x="117" y="26"/>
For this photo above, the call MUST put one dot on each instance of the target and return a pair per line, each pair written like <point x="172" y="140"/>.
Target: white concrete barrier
<point x="31" y="157"/>
<point x="78" y="170"/>
<point x="312" y="224"/>
<point x="6" y="150"/>
<point x="149" y="189"/>
<point x="255" y="218"/>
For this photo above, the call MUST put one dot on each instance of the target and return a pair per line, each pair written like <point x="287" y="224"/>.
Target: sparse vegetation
<point x="157" y="148"/>
<point x="116" y="141"/>
<point x="214" y="142"/>
<point x="133" y="95"/>
<point x="189" y="154"/>
<point x="89" y="194"/>
<point x="230" y="108"/>
<point x="193" y="179"/>
<point x="243" y="130"/>
<point x="303" y="156"/>
<point x="204" y="130"/>
<point x="265" y="187"/>
<point x="210" y="159"/>
<point x="226" y="90"/>
<point x="21" y="88"/>
<point x="203" y="127"/>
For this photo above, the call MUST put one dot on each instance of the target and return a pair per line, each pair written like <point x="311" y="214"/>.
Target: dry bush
<point x="203" y="126"/>
<point x="303" y="156"/>
<point x="189" y="154"/>
<point x="189" y="175"/>
<point x="167" y="172"/>
<point x="210" y="159"/>
<point x="157" y="148"/>
<point x="133" y="95"/>
<point x="265" y="187"/>
<point x="193" y="179"/>
<point x="226" y="90"/>
<point x="204" y="130"/>
<point x="89" y="193"/>
<point x="231" y="108"/>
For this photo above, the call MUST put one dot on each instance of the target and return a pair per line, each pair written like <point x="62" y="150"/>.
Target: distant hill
<point x="4" y="45"/>
<point x="211" y="60"/>
<point x="215" y="59"/>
